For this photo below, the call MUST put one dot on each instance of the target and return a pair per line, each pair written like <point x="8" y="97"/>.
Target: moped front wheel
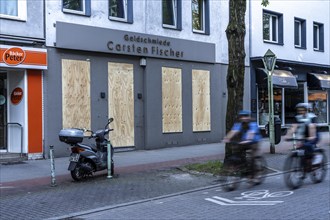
<point x="293" y="172"/>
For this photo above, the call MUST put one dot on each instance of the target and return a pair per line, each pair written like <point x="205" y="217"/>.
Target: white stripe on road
<point x="223" y="201"/>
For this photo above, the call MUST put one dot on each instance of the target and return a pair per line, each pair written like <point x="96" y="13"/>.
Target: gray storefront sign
<point x="88" y="38"/>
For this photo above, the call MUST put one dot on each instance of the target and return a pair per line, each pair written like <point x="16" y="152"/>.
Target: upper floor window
<point x="13" y="9"/>
<point x="318" y="36"/>
<point x="121" y="10"/>
<point x="200" y="16"/>
<point x="82" y="7"/>
<point x="300" y="33"/>
<point x="272" y="27"/>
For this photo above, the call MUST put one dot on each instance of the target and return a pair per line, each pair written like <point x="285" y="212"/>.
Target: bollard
<point x="109" y="160"/>
<point x="52" y="165"/>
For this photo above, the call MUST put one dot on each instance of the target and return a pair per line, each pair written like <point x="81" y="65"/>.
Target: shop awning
<point x="281" y="78"/>
<point x="318" y="81"/>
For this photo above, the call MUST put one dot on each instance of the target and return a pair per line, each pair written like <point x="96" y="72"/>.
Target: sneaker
<point x="317" y="159"/>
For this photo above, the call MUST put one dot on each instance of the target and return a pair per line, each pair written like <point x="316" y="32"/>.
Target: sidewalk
<point x="38" y="172"/>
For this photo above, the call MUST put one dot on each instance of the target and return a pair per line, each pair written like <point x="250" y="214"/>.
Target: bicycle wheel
<point x="260" y="170"/>
<point x="293" y="171"/>
<point x="319" y="170"/>
<point x="230" y="181"/>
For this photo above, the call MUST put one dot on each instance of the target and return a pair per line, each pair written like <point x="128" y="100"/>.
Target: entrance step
<point x="12" y="158"/>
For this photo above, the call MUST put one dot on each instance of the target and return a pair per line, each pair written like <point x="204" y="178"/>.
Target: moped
<point x="87" y="159"/>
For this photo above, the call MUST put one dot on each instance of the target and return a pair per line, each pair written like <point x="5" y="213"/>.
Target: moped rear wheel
<point x="79" y="172"/>
<point x="293" y="172"/>
<point x="319" y="170"/>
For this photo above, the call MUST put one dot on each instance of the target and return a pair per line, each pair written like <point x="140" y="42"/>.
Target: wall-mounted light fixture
<point x="143" y="62"/>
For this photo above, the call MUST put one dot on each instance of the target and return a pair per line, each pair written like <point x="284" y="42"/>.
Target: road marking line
<point x="224" y="201"/>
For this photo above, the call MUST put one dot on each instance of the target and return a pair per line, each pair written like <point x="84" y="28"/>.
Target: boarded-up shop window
<point x="76" y="108"/>
<point x="171" y="100"/>
<point x="201" y="100"/>
<point x="121" y="103"/>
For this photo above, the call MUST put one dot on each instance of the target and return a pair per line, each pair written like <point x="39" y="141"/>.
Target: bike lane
<point x="271" y="200"/>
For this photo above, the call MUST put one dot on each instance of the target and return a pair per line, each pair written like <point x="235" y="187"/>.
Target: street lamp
<point x="269" y="60"/>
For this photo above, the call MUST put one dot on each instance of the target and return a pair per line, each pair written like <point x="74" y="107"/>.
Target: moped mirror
<point x="110" y="120"/>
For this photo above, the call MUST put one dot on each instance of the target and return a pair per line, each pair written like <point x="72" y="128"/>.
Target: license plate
<point x="74" y="157"/>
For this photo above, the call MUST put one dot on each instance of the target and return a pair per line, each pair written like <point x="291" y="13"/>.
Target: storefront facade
<point x="21" y="94"/>
<point x="160" y="92"/>
<point x="293" y="83"/>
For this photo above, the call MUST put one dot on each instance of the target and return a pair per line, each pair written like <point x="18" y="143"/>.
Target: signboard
<point x="16" y="95"/>
<point x="23" y="57"/>
<point x="130" y="43"/>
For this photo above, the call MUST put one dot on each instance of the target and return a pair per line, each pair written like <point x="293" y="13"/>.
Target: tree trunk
<point x="236" y="52"/>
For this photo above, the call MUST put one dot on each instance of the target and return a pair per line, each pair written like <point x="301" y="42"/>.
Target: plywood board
<point x="121" y="103"/>
<point x="171" y="100"/>
<point x="201" y="100"/>
<point x="76" y="108"/>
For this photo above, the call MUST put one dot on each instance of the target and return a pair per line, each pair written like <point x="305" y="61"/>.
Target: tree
<point x="235" y="33"/>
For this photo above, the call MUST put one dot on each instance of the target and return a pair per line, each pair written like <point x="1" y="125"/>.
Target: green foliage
<point x="213" y="167"/>
<point x="265" y="3"/>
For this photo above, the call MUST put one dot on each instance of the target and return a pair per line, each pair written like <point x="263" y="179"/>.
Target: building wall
<point x="33" y="27"/>
<point x="310" y="11"/>
<point x="147" y="19"/>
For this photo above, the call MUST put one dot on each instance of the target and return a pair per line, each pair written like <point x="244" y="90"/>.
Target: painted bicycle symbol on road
<point x="250" y="197"/>
<point x="263" y="194"/>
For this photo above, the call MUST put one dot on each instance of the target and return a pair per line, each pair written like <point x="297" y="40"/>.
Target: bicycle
<point x="297" y="165"/>
<point x="241" y="166"/>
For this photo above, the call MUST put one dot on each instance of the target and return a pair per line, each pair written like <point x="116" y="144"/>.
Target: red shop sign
<point x="16" y="95"/>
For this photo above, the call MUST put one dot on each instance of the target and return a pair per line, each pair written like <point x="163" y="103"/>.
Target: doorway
<point x="3" y="111"/>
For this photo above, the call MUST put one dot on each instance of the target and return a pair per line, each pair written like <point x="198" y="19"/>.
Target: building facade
<point x="157" y="67"/>
<point x="23" y="61"/>
<point x="300" y="40"/>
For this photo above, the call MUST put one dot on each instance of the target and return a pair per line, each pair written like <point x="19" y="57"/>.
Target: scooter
<point x="86" y="159"/>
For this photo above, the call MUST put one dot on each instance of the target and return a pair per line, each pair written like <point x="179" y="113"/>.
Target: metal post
<point x="271" y="113"/>
<point x="109" y="160"/>
<point x="52" y="165"/>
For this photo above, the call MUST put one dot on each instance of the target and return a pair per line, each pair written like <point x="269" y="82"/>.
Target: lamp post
<point x="269" y="61"/>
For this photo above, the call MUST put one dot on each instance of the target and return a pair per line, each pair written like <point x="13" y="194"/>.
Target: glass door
<point x="292" y="98"/>
<point x="3" y="110"/>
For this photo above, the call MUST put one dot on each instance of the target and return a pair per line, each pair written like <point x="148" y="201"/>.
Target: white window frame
<point x="317" y="37"/>
<point x="21" y="11"/>
<point x="125" y="13"/>
<point x="272" y="28"/>
<point x="202" y="18"/>
<point x="175" y="15"/>
<point x="83" y="12"/>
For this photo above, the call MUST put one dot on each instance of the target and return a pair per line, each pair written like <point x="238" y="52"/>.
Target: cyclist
<point x="304" y="128"/>
<point x="248" y="131"/>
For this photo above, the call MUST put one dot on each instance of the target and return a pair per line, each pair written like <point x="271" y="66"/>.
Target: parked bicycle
<point x="298" y="165"/>
<point x="242" y="165"/>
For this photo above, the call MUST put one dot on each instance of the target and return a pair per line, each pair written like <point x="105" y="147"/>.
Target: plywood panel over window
<point x="171" y="100"/>
<point x="201" y="100"/>
<point x="121" y="103"/>
<point x="76" y="108"/>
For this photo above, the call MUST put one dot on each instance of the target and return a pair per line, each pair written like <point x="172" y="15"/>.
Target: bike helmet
<point x="244" y="113"/>
<point x="303" y="105"/>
